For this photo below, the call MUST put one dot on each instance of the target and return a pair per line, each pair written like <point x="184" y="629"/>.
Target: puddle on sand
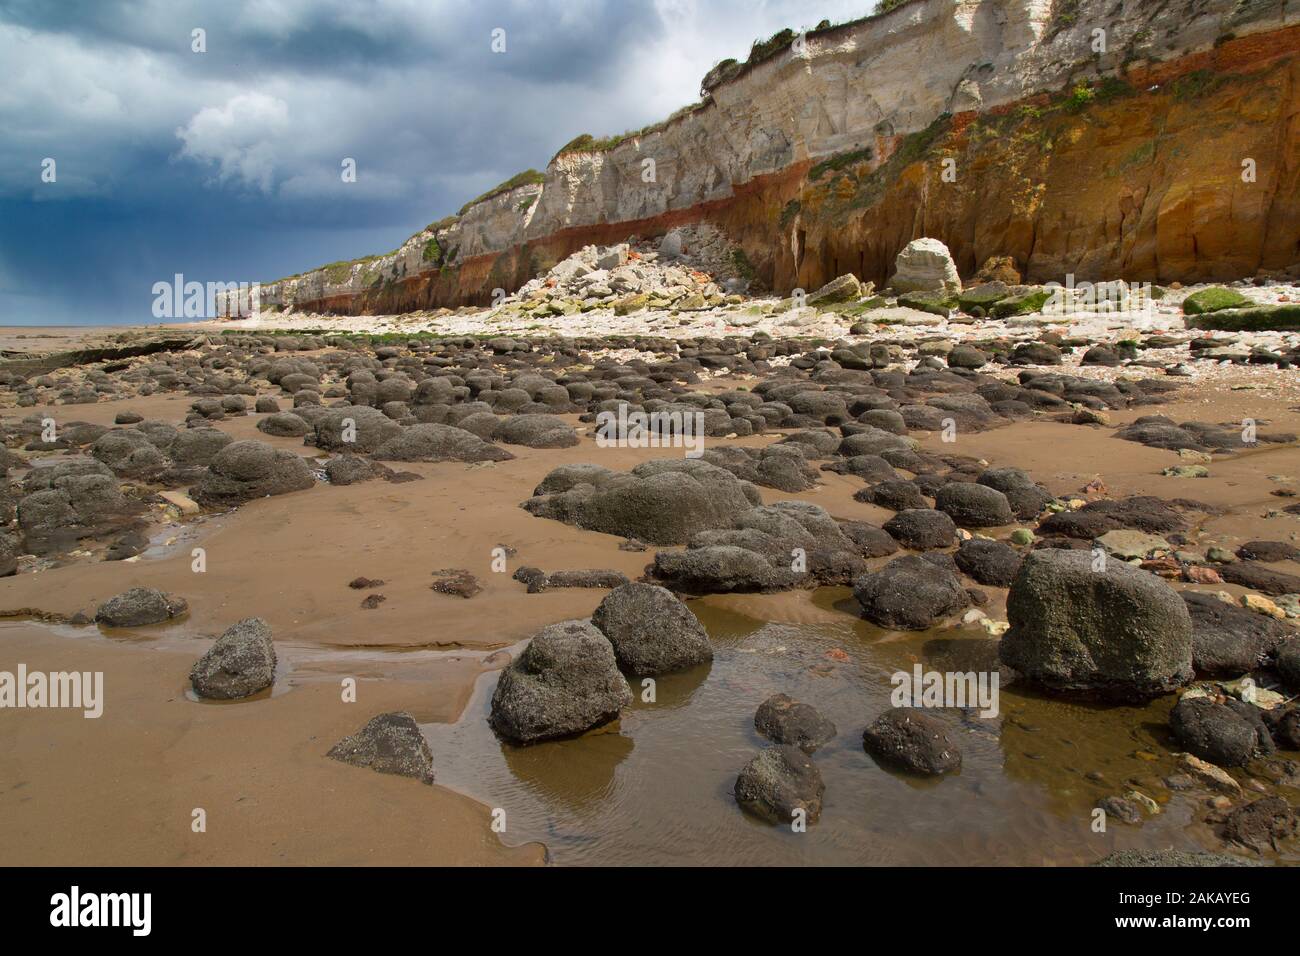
<point x="656" y="787"/>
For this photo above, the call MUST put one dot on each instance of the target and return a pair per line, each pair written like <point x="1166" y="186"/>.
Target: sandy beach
<point x="124" y="788"/>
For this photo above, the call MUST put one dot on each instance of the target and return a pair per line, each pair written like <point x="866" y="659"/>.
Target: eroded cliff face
<point x="1150" y="181"/>
<point x="1002" y="127"/>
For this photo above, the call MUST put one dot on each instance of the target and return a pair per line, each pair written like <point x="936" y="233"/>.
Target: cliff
<point x="1002" y="127"/>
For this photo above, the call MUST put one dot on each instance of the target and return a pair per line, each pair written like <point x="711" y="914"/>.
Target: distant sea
<point x="23" y="322"/>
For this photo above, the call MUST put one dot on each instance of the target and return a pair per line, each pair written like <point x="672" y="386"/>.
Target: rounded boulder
<point x="1103" y="628"/>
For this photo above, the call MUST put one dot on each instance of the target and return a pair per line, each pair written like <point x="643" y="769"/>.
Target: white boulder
<point x="925" y="265"/>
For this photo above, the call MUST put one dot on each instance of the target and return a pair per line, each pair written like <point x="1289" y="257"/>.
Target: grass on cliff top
<point x="337" y="272"/>
<point x="529" y="177"/>
<point x="446" y="222"/>
<point x="586" y="143"/>
<point x="761" y="50"/>
<point x="723" y="72"/>
<point x="1214" y="299"/>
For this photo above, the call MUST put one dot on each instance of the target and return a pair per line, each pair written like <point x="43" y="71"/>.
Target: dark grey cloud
<point x="225" y="165"/>
<point x="576" y="39"/>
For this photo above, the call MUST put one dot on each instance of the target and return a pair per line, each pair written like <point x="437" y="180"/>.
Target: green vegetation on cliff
<point x="841" y="161"/>
<point x="586" y="143"/>
<point x="789" y="213"/>
<point x="1198" y="84"/>
<point x="337" y="272"/>
<point x="914" y="147"/>
<point x="762" y="50"/>
<point x="529" y="177"/>
<point x="446" y="222"/>
<point x="743" y="265"/>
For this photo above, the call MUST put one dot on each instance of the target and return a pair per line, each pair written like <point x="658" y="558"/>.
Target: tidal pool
<point x="656" y="786"/>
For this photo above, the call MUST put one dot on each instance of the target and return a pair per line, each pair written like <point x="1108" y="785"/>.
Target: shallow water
<point x="656" y="787"/>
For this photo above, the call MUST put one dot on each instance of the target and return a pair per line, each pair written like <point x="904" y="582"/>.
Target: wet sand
<point x="122" y="789"/>
<point x="291" y="558"/>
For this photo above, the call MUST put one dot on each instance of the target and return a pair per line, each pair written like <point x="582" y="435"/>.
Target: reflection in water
<point x="655" y="787"/>
<point x="570" y="778"/>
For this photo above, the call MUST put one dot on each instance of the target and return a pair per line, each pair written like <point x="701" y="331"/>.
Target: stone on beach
<point x="925" y="265"/>
<point x="771" y="547"/>
<point x="1288" y="662"/>
<point x="70" y="501"/>
<point x="432" y="442"/>
<point x="991" y="563"/>
<point x="537" y="431"/>
<point x="912" y="740"/>
<point x="564" y="683"/>
<point x="652" y="632"/>
<point x="129" y="453"/>
<point x="284" y="425"/>
<point x="139" y="607"/>
<point x="972" y="505"/>
<point x="1261" y="824"/>
<point x="1228" y="641"/>
<point x="1226" y="734"/>
<point x="660" y="502"/>
<point x="846" y="288"/>
<point x="1111" y="630"/>
<point x="388" y="743"/>
<point x="909" y="593"/>
<point x="240" y="663"/>
<point x="922" y="529"/>
<point x="539" y="580"/>
<point x="245" y="470"/>
<point x="356" y="428"/>
<point x="779" y="783"/>
<point x="784" y="720"/>
<point x="1026" y="498"/>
